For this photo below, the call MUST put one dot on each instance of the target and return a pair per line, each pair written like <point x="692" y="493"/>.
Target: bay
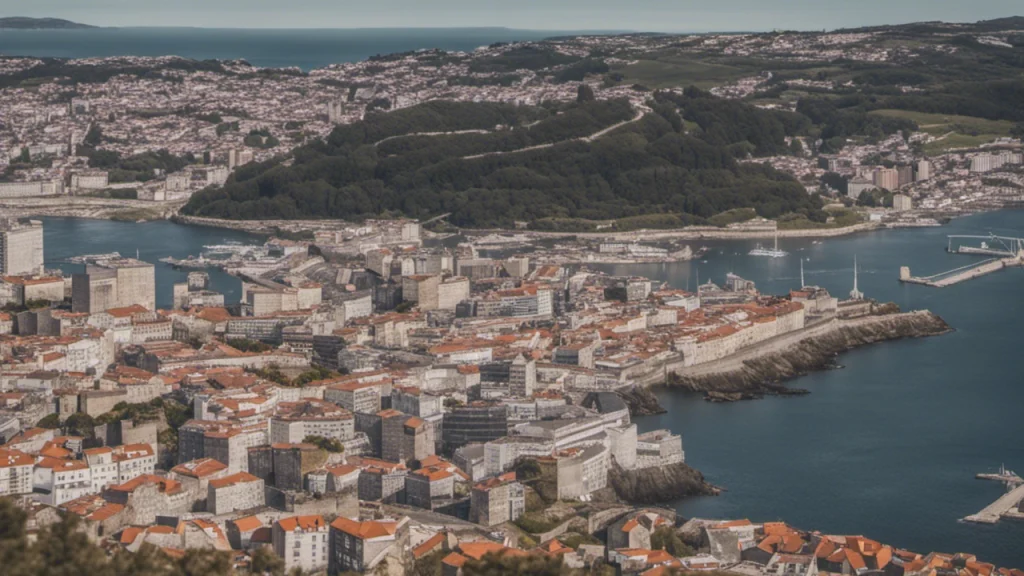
<point x="151" y="241"/>
<point x="306" y="49"/>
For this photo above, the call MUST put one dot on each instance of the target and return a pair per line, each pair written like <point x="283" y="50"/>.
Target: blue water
<point x="67" y="237"/>
<point x="306" y="49"/>
<point x="888" y="446"/>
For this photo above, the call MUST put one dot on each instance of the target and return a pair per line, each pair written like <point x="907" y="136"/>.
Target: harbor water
<point x="887" y="446"/>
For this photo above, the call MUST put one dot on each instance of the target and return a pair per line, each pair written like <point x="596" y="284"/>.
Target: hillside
<point x="595" y="160"/>
<point x="25" y="23"/>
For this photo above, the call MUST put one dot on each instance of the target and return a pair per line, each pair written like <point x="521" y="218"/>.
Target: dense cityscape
<point x="405" y="394"/>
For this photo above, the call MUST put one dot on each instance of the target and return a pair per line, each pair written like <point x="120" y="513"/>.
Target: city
<point x="458" y="392"/>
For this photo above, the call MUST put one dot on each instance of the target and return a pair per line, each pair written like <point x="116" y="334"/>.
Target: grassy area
<point x="939" y="124"/>
<point x="840" y="219"/>
<point x="958" y="141"/>
<point x="676" y="71"/>
<point x="135" y="214"/>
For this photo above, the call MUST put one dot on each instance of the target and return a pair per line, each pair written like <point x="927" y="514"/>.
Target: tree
<point x="80" y="424"/>
<point x="14" y="554"/>
<point x="498" y="564"/>
<point x="584" y="94"/>
<point x="50" y="422"/>
<point x="267" y="563"/>
<point x="26" y="156"/>
<point x="796" y="147"/>
<point x="332" y="445"/>
<point x="665" y="538"/>
<point x="94" y="136"/>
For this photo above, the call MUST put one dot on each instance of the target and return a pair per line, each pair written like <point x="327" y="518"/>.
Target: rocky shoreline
<point x="641" y="402"/>
<point x="761" y="374"/>
<point x="659" y="484"/>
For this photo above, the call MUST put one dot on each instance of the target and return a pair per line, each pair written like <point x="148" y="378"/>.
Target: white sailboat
<point x="769" y="252"/>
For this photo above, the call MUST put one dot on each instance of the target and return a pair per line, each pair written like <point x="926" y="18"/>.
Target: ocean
<point x="887" y="446"/>
<point x="306" y="49"/>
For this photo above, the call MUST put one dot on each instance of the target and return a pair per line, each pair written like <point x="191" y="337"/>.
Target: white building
<point x="21" y="247"/>
<point x="240" y="491"/>
<point x="301" y="541"/>
<point x="56" y="481"/>
<point x="15" y="472"/>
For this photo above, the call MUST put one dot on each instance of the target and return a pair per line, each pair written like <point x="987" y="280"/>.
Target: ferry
<point x="769" y="252"/>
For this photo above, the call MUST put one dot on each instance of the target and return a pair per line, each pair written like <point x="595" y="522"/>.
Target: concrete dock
<point x="1005" y="505"/>
<point x="963" y="274"/>
<point x="1011" y="479"/>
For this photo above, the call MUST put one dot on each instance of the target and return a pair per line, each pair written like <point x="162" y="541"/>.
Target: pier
<point x="1008" y="478"/>
<point x="1011" y="254"/>
<point x="1004" y="506"/>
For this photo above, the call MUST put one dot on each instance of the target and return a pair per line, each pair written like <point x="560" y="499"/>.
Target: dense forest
<point x="653" y="166"/>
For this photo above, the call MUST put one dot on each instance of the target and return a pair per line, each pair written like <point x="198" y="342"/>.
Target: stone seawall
<point x="760" y="369"/>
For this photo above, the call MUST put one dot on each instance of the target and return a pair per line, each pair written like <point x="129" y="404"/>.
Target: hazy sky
<point x="647" y="15"/>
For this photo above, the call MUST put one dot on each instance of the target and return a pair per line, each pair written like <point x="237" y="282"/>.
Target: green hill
<point x="540" y="166"/>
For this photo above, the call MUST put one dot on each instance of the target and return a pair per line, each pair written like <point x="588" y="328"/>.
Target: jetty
<point x="1008" y="477"/>
<point x="1003" y="507"/>
<point x="1010" y="255"/>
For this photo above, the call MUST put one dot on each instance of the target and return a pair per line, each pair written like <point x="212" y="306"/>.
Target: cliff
<point x="658" y="484"/>
<point x="759" y="372"/>
<point x="641" y="402"/>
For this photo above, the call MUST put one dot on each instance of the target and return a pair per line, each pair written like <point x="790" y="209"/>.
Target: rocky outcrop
<point x="658" y="484"/>
<point x="641" y="402"/>
<point x="761" y="373"/>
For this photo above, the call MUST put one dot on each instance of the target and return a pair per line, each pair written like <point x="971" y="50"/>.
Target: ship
<point x="769" y="252"/>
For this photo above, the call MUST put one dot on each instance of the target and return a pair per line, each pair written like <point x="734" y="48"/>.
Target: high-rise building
<point x="238" y="158"/>
<point x="887" y="178"/>
<point x="335" y="111"/>
<point x="906" y="175"/>
<point x="924" y="170"/>
<point x="522" y="376"/>
<point x="901" y="202"/>
<point x="21" y="247"/>
<point x="115" y="283"/>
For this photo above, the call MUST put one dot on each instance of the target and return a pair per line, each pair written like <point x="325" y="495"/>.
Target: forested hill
<point x="653" y="165"/>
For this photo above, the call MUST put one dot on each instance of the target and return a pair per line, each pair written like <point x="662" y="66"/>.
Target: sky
<point x="638" y="15"/>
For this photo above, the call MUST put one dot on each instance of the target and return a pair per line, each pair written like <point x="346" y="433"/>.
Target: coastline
<point x="761" y="369"/>
<point x="135" y="210"/>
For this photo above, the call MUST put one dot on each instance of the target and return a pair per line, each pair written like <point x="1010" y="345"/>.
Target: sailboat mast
<point x="855" y="273"/>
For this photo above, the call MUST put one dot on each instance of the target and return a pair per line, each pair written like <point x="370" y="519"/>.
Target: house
<point x="497" y="500"/>
<point x="239" y="491"/>
<point x="361" y="546"/>
<point x="302" y="542"/>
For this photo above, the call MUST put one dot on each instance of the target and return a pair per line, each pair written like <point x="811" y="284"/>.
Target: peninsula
<point x="25" y="23"/>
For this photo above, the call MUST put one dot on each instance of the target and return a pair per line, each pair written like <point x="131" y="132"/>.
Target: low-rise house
<point x="427" y="486"/>
<point x="497" y="500"/>
<point x="301" y="541"/>
<point x="147" y="496"/>
<point x="239" y="491"/>
<point x="361" y="546"/>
